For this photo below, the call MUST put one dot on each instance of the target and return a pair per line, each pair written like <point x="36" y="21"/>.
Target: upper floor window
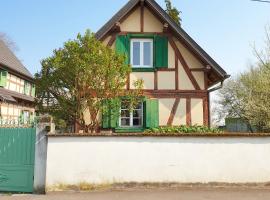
<point x="141" y="53"/>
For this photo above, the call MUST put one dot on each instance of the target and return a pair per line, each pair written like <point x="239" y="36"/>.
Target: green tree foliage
<point x="248" y="95"/>
<point x="173" y="12"/>
<point x="79" y="77"/>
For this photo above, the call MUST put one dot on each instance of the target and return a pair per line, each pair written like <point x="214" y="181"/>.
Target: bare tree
<point x="8" y="41"/>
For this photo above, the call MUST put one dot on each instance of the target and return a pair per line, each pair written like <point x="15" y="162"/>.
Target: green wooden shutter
<point x="151" y="113"/>
<point x="111" y="117"/>
<point x="114" y="112"/>
<point x="3" y="78"/>
<point x="33" y="91"/>
<point x="105" y="115"/>
<point x="123" y="46"/>
<point x="161" y="51"/>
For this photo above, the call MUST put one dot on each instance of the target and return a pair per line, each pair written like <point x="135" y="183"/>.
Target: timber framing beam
<point x="188" y="112"/>
<point x="184" y="63"/>
<point x="112" y="40"/>
<point x="142" y="16"/>
<point x="173" y="111"/>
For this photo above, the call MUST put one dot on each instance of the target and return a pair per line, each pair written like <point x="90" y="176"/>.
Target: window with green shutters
<point x="27" y="88"/>
<point x="3" y="78"/>
<point x="115" y="119"/>
<point x="33" y="90"/>
<point x="134" y="49"/>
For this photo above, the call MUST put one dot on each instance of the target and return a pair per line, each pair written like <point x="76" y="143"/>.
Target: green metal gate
<point x="17" y="153"/>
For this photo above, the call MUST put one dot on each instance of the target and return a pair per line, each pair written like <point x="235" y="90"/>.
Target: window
<point x="141" y="53"/>
<point x="27" y="87"/>
<point x="131" y="118"/>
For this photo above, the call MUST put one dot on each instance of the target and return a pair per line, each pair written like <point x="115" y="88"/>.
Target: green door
<point x="17" y="152"/>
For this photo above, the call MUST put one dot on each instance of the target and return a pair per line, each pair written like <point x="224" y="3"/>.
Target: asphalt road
<point x="158" y="194"/>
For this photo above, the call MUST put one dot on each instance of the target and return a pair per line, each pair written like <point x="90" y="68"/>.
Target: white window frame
<point x="141" y="41"/>
<point x="131" y="118"/>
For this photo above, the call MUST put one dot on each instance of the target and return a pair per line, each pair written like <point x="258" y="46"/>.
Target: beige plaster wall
<point x="147" y="77"/>
<point x="166" y="80"/>
<point x="87" y="118"/>
<point x="191" y="60"/>
<point x="165" y="107"/>
<point x="151" y="23"/>
<point x="199" y="76"/>
<point x="106" y="40"/>
<point x="196" y="111"/>
<point x="184" y="81"/>
<point x="171" y="57"/>
<point x="132" y="22"/>
<point x="180" y="115"/>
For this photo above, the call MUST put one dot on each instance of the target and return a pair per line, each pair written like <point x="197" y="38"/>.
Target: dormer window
<point x="141" y="53"/>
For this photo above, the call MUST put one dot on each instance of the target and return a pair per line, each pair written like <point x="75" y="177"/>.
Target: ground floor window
<point x="130" y="118"/>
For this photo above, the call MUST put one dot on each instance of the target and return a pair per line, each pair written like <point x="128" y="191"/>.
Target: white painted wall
<point x="71" y="160"/>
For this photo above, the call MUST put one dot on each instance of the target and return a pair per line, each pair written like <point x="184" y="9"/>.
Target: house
<point x="17" y="88"/>
<point x="176" y="71"/>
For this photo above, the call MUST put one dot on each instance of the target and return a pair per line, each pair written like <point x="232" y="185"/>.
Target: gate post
<point x="40" y="159"/>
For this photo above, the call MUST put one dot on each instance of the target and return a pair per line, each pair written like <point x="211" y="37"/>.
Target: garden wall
<point x="72" y="160"/>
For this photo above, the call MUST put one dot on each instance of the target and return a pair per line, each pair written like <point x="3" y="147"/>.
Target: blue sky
<point x="226" y="29"/>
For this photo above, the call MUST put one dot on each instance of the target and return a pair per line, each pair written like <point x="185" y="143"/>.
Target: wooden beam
<point x="173" y="111"/>
<point x="176" y="72"/>
<point x="128" y="82"/>
<point x="164" y="94"/>
<point x="205" y="80"/>
<point x="155" y="80"/>
<point x="166" y="69"/>
<point x="206" y="111"/>
<point x="142" y="16"/>
<point x="112" y="40"/>
<point x="198" y="69"/>
<point x="188" y="112"/>
<point x="184" y="63"/>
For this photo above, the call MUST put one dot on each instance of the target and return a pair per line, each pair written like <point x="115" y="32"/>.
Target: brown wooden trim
<point x="188" y="112"/>
<point x="112" y="40"/>
<point x="205" y="111"/>
<point x="198" y="69"/>
<point x="142" y="16"/>
<point x="161" y="95"/>
<point x="173" y="111"/>
<point x="177" y="91"/>
<point x="208" y="108"/>
<point x="155" y="80"/>
<point x="135" y="32"/>
<point x="205" y="80"/>
<point x="128" y="82"/>
<point x="176" y="72"/>
<point x="166" y="69"/>
<point x="185" y="65"/>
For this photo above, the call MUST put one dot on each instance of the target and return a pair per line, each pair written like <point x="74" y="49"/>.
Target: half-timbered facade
<point x="17" y="89"/>
<point x="177" y="73"/>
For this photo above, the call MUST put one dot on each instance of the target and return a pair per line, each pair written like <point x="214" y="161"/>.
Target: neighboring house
<point x="176" y="71"/>
<point x="17" y="88"/>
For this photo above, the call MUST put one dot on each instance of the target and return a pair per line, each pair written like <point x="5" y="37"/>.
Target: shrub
<point x="183" y="129"/>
